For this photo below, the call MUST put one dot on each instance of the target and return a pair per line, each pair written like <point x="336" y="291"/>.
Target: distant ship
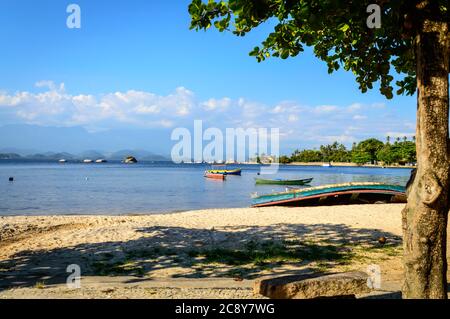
<point x="62" y="160"/>
<point x="87" y="161"/>
<point x="101" y="160"/>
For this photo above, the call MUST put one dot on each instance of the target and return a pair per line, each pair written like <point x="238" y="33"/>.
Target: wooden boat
<point x="348" y="193"/>
<point x="215" y="176"/>
<point x="261" y="181"/>
<point x="236" y="171"/>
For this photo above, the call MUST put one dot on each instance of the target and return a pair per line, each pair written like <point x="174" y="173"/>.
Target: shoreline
<point x="336" y="164"/>
<point x="343" y="164"/>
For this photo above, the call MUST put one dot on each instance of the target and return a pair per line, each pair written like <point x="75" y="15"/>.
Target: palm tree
<point x="405" y="138"/>
<point x="388" y="139"/>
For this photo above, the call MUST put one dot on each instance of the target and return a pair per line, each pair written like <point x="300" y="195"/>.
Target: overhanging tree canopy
<point x="337" y="29"/>
<point x="412" y="40"/>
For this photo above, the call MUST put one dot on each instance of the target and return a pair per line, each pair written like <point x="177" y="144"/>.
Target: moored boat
<point x="101" y="160"/>
<point x="215" y="176"/>
<point x="262" y="181"/>
<point x="87" y="161"/>
<point x="62" y="160"/>
<point x="236" y="171"/>
<point x="347" y="193"/>
<point x="130" y="160"/>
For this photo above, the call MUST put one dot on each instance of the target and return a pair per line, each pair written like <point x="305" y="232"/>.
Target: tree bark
<point x="425" y="215"/>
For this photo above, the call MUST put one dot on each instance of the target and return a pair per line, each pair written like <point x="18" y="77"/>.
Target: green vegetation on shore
<point x="369" y="151"/>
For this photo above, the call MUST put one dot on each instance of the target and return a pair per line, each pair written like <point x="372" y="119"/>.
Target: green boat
<point x="261" y="181"/>
<point x="335" y="194"/>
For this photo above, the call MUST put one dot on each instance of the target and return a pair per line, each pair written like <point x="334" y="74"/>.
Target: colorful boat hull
<point x="215" y="176"/>
<point x="349" y="193"/>
<point x="261" y="181"/>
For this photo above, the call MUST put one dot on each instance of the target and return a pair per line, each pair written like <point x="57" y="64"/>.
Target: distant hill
<point x="9" y="156"/>
<point x="51" y="156"/>
<point x="65" y="155"/>
<point x="141" y="155"/>
<point x="27" y="154"/>
<point x="19" y="151"/>
<point x="91" y="154"/>
<point x="33" y="139"/>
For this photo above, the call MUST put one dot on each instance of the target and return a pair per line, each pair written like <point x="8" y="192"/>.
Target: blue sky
<point x="135" y="65"/>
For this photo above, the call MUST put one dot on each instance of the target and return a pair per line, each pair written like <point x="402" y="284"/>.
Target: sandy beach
<point x="216" y="253"/>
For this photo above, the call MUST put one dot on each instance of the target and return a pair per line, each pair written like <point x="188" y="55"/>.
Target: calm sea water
<point x="115" y="188"/>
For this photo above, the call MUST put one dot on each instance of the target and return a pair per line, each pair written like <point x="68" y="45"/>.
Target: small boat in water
<point x="215" y="176"/>
<point x="101" y="160"/>
<point x="327" y="165"/>
<point x="130" y="160"/>
<point x="236" y="171"/>
<point x="87" y="161"/>
<point x="335" y="194"/>
<point x="261" y="181"/>
<point x="62" y="160"/>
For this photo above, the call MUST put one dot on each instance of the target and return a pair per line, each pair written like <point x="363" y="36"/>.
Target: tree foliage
<point x="306" y="156"/>
<point x="336" y="29"/>
<point x="399" y="152"/>
<point x="334" y="153"/>
<point x="367" y="151"/>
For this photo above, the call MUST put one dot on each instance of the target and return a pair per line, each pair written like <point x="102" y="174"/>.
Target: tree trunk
<point x="425" y="215"/>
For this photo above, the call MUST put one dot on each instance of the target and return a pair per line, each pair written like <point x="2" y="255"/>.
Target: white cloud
<point x="355" y="107"/>
<point x="358" y="117"/>
<point x="54" y="105"/>
<point x="378" y="105"/>
<point x="292" y="118"/>
<point x="324" y="109"/>
<point x="50" y="85"/>
<point x="217" y="104"/>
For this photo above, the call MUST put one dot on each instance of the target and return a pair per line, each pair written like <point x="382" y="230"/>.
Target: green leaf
<point x="344" y="28"/>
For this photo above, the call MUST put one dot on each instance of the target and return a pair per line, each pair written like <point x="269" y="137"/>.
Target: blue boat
<point x="335" y="194"/>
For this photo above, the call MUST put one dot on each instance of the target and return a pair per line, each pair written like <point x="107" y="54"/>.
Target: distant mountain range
<point x="140" y="155"/>
<point x="39" y="142"/>
<point x="25" y="139"/>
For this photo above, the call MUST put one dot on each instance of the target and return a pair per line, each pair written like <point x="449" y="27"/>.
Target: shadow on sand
<point x="242" y="252"/>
